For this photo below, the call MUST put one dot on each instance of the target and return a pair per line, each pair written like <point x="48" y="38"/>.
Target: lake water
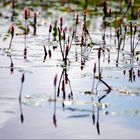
<point x="85" y="112"/>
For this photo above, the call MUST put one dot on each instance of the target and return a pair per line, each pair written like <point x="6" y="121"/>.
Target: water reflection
<point x="60" y="90"/>
<point x="55" y="100"/>
<point x="63" y="92"/>
<point x="95" y="118"/>
<point x="130" y="69"/>
<point x="11" y="65"/>
<point x="20" y="98"/>
<point x="62" y="85"/>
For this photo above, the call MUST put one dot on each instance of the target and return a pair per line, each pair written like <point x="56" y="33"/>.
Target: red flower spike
<point x="61" y="21"/>
<point x="26" y="13"/>
<point x="125" y="27"/>
<point x="85" y="13"/>
<point x="110" y="11"/>
<point x="120" y="21"/>
<point x="12" y="30"/>
<point x="50" y="28"/>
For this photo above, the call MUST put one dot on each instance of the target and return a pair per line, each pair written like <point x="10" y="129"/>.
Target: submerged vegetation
<point x="62" y="34"/>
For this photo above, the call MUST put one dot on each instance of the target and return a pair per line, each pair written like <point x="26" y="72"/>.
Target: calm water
<point x="100" y="114"/>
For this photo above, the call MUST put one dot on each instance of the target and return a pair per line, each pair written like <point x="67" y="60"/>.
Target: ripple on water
<point x="7" y="109"/>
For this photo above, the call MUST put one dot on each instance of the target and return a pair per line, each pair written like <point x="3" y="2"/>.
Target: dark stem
<point x="60" y="83"/>
<point x="60" y="43"/>
<point x="10" y="42"/>
<point x="97" y="124"/>
<point x="45" y="53"/>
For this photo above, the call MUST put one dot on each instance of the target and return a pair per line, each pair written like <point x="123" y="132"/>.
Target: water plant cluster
<point x="120" y="25"/>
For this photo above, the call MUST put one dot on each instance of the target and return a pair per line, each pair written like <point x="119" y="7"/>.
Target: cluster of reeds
<point x="121" y="33"/>
<point x="133" y="31"/>
<point x="27" y="14"/>
<point x="85" y="44"/>
<point x="64" y="41"/>
<point x="99" y="71"/>
<point x="95" y="115"/>
<point x="62" y="83"/>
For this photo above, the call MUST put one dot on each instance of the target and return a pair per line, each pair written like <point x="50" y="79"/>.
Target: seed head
<point x="26" y="13"/>
<point x="12" y="29"/>
<point x="50" y="28"/>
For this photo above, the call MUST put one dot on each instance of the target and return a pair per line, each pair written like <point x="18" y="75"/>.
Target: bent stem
<point x="109" y="88"/>
<point x="45" y="53"/>
<point x="58" y="90"/>
<point x="129" y="5"/>
<point x="89" y="35"/>
<point x="136" y="45"/>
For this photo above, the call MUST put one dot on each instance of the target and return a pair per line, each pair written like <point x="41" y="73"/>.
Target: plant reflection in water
<point x="63" y="81"/>
<point x="20" y="98"/>
<point x="11" y="65"/>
